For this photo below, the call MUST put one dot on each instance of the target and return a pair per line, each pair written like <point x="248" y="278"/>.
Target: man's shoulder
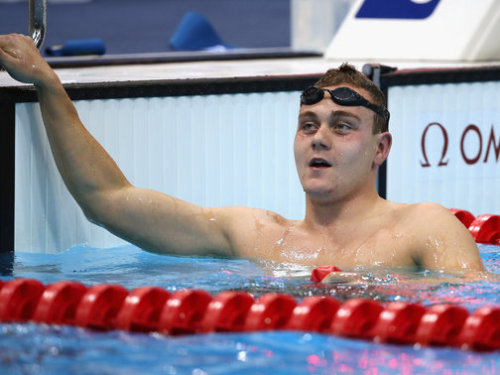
<point x="431" y="220"/>
<point x="249" y="229"/>
<point x="441" y="241"/>
<point x="246" y="218"/>
<point x="424" y="218"/>
<point x="421" y="211"/>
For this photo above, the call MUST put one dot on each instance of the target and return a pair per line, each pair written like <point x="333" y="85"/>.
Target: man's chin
<point x="319" y="193"/>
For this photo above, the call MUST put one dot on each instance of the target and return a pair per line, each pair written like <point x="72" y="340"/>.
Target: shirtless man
<point x="341" y="141"/>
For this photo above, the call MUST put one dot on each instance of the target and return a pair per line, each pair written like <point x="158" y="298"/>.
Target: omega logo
<point x="469" y="158"/>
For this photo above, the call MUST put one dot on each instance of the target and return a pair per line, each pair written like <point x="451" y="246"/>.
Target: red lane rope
<point x="153" y="309"/>
<point x="484" y="228"/>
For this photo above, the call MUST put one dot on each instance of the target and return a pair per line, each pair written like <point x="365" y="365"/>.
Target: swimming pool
<point x="41" y="349"/>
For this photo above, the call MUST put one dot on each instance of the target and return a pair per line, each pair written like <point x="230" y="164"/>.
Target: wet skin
<point x="347" y="223"/>
<point x="337" y="155"/>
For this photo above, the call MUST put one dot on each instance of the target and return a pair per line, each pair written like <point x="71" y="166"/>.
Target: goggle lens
<point x="342" y="96"/>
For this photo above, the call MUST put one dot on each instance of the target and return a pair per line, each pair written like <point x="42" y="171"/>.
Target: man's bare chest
<point x="376" y="246"/>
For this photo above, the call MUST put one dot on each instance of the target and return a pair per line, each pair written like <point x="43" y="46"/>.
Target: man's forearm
<point x="85" y="166"/>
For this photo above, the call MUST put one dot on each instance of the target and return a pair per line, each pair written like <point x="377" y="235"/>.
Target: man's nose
<point x="321" y="139"/>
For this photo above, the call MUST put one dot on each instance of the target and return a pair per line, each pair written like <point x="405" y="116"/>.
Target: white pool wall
<point x="211" y="150"/>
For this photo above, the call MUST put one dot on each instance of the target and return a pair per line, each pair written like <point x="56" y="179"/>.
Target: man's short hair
<point x="347" y="73"/>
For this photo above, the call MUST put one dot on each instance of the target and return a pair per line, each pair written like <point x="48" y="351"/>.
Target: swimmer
<point x="341" y="140"/>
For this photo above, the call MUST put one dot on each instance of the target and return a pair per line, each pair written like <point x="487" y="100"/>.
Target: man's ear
<point x="384" y="143"/>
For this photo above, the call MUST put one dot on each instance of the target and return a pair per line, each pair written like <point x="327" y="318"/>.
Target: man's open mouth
<point x="319" y="163"/>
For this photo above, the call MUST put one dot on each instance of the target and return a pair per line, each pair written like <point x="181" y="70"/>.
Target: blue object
<point x="195" y="33"/>
<point x="79" y="47"/>
<point x="397" y="9"/>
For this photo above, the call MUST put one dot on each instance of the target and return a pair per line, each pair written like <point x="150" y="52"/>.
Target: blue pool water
<point x="41" y="349"/>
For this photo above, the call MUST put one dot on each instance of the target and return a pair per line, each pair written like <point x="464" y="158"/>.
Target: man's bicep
<point x="160" y="223"/>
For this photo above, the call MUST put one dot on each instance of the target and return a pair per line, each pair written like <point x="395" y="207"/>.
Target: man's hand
<point x="22" y="60"/>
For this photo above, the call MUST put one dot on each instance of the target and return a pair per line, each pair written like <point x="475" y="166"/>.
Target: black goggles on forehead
<point x="342" y="96"/>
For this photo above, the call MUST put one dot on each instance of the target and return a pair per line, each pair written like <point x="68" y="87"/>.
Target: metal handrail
<point x="38" y="18"/>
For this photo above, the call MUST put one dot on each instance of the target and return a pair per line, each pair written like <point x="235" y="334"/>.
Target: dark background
<point x="141" y="26"/>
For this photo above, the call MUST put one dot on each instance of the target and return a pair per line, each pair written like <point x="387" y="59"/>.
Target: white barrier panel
<point x="446" y="145"/>
<point x="451" y="30"/>
<point x="315" y="22"/>
<point x="212" y="150"/>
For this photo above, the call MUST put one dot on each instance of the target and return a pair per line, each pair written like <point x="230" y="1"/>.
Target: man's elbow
<point x="97" y="210"/>
<point x="95" y="216"/>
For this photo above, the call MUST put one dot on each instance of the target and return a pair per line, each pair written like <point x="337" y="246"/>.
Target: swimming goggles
<point x="342" y="96"/>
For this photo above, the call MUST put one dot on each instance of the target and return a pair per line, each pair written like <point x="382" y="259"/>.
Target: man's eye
<point x="308" y="127"/>
<point x="342" y="126"/>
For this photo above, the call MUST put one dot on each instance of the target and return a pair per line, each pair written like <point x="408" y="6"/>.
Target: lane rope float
<point x="484" y="228"/>
<point x="191" y="311"/>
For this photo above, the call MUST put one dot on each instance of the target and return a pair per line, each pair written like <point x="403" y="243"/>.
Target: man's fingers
<point x="4" y="53"/>
<point x="21" y="58"/>
<point x="14" y="42"/>
<point x="5" y="57"/>
<point x="342" y="278"/>
<point x="7" y="46"/>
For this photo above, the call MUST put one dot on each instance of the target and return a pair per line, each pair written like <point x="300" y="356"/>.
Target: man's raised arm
<point x="152" y="220"/>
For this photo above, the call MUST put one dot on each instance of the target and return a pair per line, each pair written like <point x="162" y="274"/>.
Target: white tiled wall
<point x="213" y="150"/>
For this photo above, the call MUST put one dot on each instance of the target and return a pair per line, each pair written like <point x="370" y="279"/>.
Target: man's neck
<point x="336" y="215"/>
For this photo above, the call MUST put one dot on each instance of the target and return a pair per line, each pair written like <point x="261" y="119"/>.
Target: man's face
<point x="335" y="147"/>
